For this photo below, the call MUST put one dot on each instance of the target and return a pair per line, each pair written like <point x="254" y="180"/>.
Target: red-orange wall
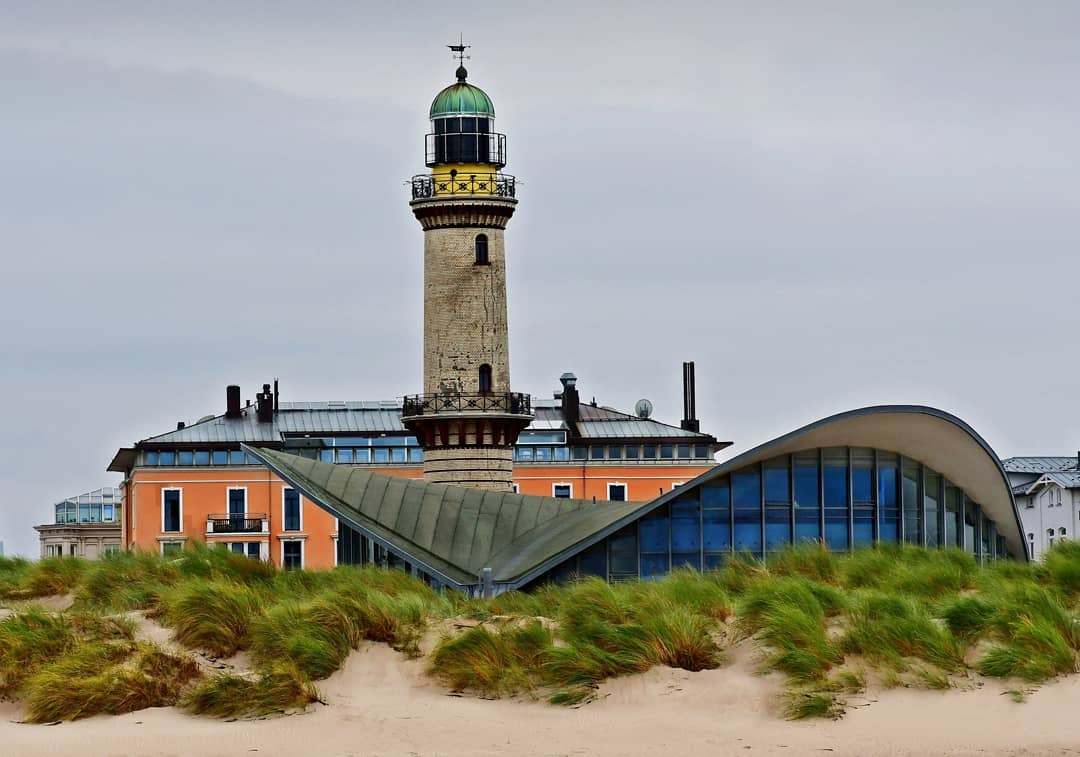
<point x="205" y="493"/>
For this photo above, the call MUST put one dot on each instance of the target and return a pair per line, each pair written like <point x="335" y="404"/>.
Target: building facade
<point x="87" y="525"/>
<point x="196" y="483"/>
<point x="1047" y="492"/>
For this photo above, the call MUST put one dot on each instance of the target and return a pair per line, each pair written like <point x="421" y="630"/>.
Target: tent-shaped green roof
<point x="452" y="531"/>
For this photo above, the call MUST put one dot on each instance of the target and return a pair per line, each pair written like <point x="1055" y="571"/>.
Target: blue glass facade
<point x="847" y="497"/>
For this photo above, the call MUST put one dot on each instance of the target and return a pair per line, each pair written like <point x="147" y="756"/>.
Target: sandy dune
<point x="381" y="704"/>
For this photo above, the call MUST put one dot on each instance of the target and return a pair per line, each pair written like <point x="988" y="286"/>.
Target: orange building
<point x="195" y="483"/>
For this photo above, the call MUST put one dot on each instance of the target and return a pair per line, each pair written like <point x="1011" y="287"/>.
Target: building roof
<point x="452" y="532"/>
<point x="1066" y="480"/>
<point x="1038" y="464"/>
<point x="462" y="99"/>
<point x="111" y="493"/>
<point x="384" y="417"/>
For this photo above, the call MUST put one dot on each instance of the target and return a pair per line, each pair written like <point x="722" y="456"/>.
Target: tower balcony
<point x="457" y="404"/>
<point x="462" y="185"/>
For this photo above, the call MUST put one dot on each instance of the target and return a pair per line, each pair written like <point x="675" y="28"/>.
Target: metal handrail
<point x="511" y="403"/>
<point x="224" y="523"/>
<point x="465" y="147"/>
<point x="425" y="186"/>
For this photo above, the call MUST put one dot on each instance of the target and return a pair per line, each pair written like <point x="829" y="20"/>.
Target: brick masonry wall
<point x="481" y="467"/>
<point x="464" y="311"/>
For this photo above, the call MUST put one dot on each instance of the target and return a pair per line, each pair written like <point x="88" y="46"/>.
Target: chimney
<point x="571" y="409"/>
<point x="264" y="405"/>
<point x="689" y="399"/>
<point x="275" y="395"/>
<point x="232" y="401"/>
<point x="179" y="425"/>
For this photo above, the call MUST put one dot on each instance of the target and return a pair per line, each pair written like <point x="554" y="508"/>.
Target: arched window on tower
<point x="485" y="378"/>
<point x="481" y="249"/>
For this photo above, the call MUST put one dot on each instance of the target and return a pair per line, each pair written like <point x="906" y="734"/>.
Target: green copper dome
<point x="462" y="99"/>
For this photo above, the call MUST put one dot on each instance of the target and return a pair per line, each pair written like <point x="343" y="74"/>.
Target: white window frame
<point x="568" y="484"/>
<point x="234" y="488"/>
<point x="162" y="543"/>
<point x="624" y="485"/>
<point x="284" y="489"/>
<point x="516" y="488"/>
<point x="281" y="553"/>
<point x="181" y="498"/>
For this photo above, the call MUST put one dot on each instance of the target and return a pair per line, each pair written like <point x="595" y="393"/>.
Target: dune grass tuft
<point x="491" y="662"/>
<point x="280" y="688"/>
<point x="213" y="616"/>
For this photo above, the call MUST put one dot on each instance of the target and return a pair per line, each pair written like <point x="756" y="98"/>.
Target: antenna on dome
<point x="459" y="50"/>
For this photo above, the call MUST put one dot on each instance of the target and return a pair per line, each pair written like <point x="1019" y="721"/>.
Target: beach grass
<point x="826" y="623"/>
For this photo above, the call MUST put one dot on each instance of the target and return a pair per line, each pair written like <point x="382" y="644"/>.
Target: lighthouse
<point x="467" y="419"/>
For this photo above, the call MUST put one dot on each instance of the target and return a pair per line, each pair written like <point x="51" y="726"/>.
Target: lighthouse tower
<point x="467" y="419"/>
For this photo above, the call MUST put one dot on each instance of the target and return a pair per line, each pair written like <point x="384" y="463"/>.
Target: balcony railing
<point x="454" y="184"/>
<point x="469" y="147"/>
<point x="223" y="523"/>
<point x="508" y="403"/>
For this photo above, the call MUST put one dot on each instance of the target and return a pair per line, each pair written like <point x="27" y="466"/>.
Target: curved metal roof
<point x="462" y="99"/>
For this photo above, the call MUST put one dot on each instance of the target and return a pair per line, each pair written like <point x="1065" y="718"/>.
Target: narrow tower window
<point x="485" y="378"/>
<point x="481" y="249"/>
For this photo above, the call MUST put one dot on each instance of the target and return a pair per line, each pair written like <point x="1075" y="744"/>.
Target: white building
<point x="1047" y="493"/>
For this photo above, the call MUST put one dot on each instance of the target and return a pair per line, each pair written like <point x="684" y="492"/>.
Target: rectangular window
<point x="171" y="548"/>
<point x="834" y="479"/>
<point x="345" y="455"/>
<point x="746" y="499"/>
<point x="649" y="452"/>
<point x="614" y="452"/>
<point x="237" y="547"/>
<point x="185" y="457"/>
<point x="562" y="454"/>
<point x="292" y="555"/>
<point x="166" y="457"/>
<point x="931" y="498"/>
<point x="616" y="492"/>
<point x="397" y="454"/>
<point x="777" y="482"/>
<point x="912" y="506"/>
<point x="524" y="454"/>
<point x="580" y="453"/>
<point x="596" y="452"/>
<point x="683" y="451"/>
<point x="326" y="455"/>
<point x="220" y="457"/>
<point x="622" y="553"/>
<point x="170" y="511"/>
<point x="701" y="451"/>
<point x="291" y="515"/>
<point x="253" y="550"/>
<point x="236" y="457"/>
<point x="807" y="497"/>
<point x="382" y="454"/>
<point x="562" y="491"/>
<point x="202" y="457"/>
<point x="667" y="451"/>
<point x="952" y="516"/>
<point x="150" y="458"/>
<point x="237" y="502"/>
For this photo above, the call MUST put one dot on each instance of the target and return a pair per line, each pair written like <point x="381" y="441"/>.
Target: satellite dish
<point x="643" y="409"/>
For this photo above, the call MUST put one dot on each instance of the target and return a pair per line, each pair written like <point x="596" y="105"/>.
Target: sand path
<point x="380" y="704"/>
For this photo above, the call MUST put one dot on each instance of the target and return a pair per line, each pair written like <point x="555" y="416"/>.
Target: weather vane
<point x="459" y="50"/>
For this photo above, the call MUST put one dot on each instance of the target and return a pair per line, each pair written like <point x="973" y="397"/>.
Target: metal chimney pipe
<point x="689" y="421"/>
<point x="232" y="401"/>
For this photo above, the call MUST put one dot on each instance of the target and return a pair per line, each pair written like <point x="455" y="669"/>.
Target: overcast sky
<point x="826" y="205"/>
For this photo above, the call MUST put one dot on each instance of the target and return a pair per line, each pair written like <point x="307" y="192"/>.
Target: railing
<point x="510" y="403"/>
<point x="224" y="523"/>
<point x="425" y="186"/>
<point x="468" y="147"/>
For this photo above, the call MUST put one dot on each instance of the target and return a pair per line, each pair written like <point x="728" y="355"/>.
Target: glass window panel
<point x="807" y="494"/>
<point x="912" y="509"/>
<point x="237" y="501"/>
<point x="807" y="524"/>
<point x="748" y="531"/>
<point x="167" y="457"/>
<point x="622" y="552"/>
<point x="888" y="502"/>
<point x="970" y="525"/>
<point x="292" y="510"/>
<point x="95" y="513"/>
<point x="381" y="454"/>
<point x="632" y="452"/>
<point x="863" y="533"/>
<point x="654" y="565"/>
<point x="777" y="483"/>
<point x="777" y="526"/>
<point x="344" y="455"/>
<point x="326" y="455"/>
<point x="931" y="495"/>
<point x="253" y="550"/>
<point x="84" y="513"/>
<point x="220" y="457"/>
<point x="835" y="485"/>
<point x="836" y="529"/>
<point x="236" y="457"/>
<point x="525" y="454"/>
<point x="107" y="513"/>
<point x="61" y="513"/>
<point x="581" y="453"/>
<point x="291" y="555"/>
<point x="362" y="455"/>
<point x="562" y="454"/>
<point x="649" y="451"/>
<point x="593" y="561"/>
<point x="715" y="561"/>
<point x="667" y="451"/>
<point x="596" y="452"/>
<point x="202" y="457"/>
<point x="686" y="560"/>
<point x="185" y="457"/>
<point x="701" y="451"/>
<point x="716" y="495"/>
<point x="397" y="455"/>
<point x="952" y="516"/>
<point x="561" y="491"/>
<point x="614" y="452"/>
<point x="543" y="454"/>
<point x="746" y="489"/>
<point x="684" y="451"/>
<point x="654" y="533"/>
<point x="617" y="492"/>
<point x="150" y="457"/>
<point x="862" y="484"/>
<point x="685" y="527"/>
<point x="171" y="510"/>
<point x="716" y="530"/>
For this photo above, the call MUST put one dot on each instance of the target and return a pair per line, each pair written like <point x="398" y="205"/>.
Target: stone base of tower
<point x="479" y="467"/>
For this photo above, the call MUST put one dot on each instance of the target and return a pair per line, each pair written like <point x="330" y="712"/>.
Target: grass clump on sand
<point x="108" y="678"/>
<point x="50" y="576"/>
<point x="890" y="629"/>
<point x="213" y="616"/>
<point x="491" y="662"/>
<point x="279" y="688"/>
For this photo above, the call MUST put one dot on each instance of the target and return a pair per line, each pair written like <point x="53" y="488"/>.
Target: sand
<point x="382" y="704"/>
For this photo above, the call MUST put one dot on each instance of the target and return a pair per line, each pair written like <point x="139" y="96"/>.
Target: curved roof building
<point x="897" y="473"/>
